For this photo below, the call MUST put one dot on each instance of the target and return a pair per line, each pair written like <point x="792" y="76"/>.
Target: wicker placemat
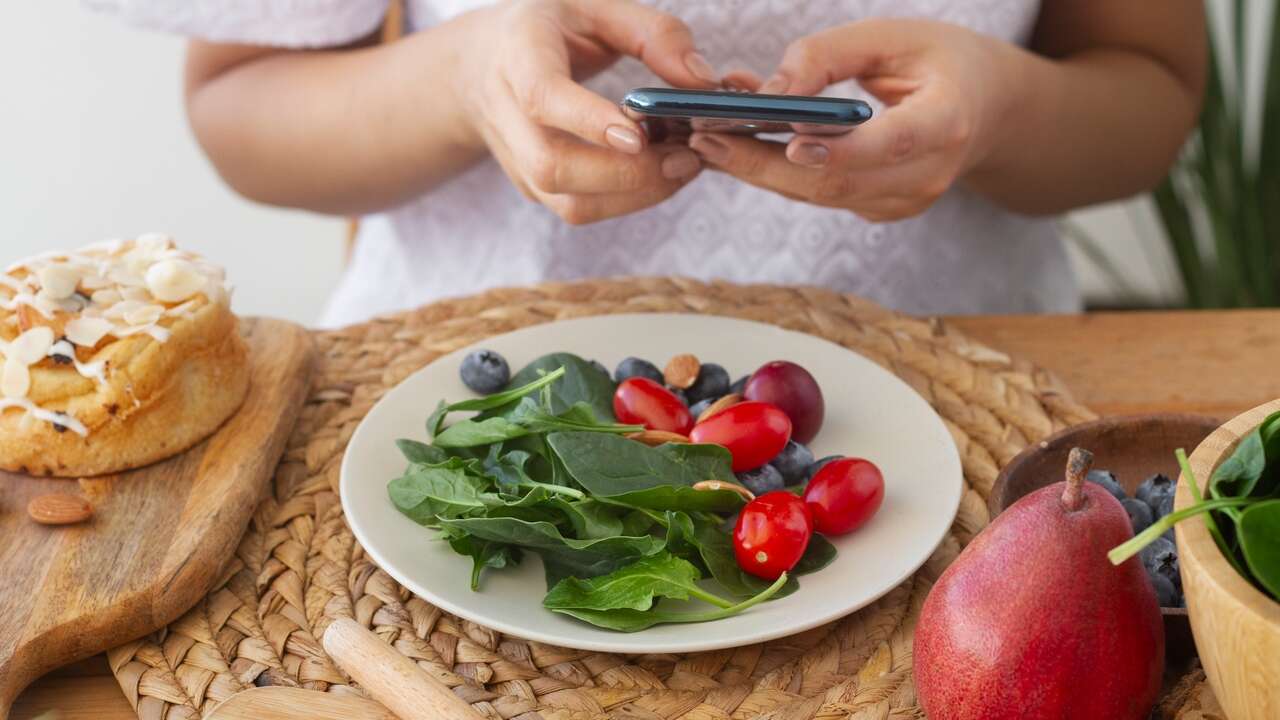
<point x="298" y="567"/>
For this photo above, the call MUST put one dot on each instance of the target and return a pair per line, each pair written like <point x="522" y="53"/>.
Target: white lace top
<point x="964" y="255"/>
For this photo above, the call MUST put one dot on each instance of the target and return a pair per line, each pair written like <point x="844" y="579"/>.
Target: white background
<point x="94" y="144"/>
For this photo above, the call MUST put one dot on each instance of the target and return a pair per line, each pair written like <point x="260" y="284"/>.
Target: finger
<point x="584" y="209"/>
<point x="572" y="167"/>
<point x="855" y="50"/>
<point x="900" y="135"/>
<point x="758" y="162"/>
<point x="546" y="94"/>
<point x="658" y="39"/>
<point x="743" y="80"/>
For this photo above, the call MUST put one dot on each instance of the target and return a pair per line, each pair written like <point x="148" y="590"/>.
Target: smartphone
<point x="678" y="112"/>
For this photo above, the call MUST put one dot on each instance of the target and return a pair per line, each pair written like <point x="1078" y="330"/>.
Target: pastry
<point x="114" y="357"/>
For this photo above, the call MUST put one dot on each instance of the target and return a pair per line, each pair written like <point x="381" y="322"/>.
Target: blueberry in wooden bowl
<point x="1133" y="459"/>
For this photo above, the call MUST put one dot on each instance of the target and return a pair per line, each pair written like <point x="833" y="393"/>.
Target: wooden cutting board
<point x="159" y="537"/>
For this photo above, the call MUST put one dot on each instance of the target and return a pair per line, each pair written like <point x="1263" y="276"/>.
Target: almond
<point x="719" y="405"/>
<point x="59" y="509"/>
<point x="719" y="485"/>
<point x="654" y="438"/>
<point x="682" y="371"/>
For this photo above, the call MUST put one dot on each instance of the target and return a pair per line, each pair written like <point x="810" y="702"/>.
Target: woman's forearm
<point x="343" y="131"/>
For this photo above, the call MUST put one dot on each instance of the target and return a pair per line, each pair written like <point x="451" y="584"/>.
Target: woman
<point x="487" y="148"/>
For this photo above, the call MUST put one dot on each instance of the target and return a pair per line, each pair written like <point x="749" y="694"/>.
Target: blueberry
<point x="635" y="367"/>
<point x="712" y="382"/>
<point x="1166" y="593"/>
<point x="792" y="462"/>
<point x="816" y="466"/>
<point x="1140" y="515"/>
<point x="739" y="386"/>
<point x="485" y="372"/>
<point x="1161" y="558"/>
<point x="1164" y="507"/>
<point x="1155" y="487"/>
<point x="763" y="479"/>
<point x="684" y="398"/>
<point x="600" y="366"/>
<point x="1108" y="481"/>
<point x="700" y="407"/>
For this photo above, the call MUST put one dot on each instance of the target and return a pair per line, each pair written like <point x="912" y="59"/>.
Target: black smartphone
<point x="675" y="112"/>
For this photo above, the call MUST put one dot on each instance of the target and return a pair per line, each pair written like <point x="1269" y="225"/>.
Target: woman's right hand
<point x="561" y="144"/>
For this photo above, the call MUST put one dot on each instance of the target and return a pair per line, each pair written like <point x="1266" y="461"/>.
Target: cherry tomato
<point x="753" y="432"/>
<point x="641" y="401"/>
<point x="844" y="494"/>
<point x="772" y="533"/>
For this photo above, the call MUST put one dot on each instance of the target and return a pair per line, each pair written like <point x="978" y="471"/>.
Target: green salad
<point x="543" y="467"/>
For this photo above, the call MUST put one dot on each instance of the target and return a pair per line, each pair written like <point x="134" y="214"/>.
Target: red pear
<point x="1033" y="621"/>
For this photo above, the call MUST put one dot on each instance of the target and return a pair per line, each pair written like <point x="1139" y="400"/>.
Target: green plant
<point x="1220" y="205"/>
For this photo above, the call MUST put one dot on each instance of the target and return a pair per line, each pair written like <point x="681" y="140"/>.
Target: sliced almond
<point x="718" y="485"/>
<point x="87" y="331"/>
<point x="59" y="509"/>
<point x="654" y="438"/>
<point x="31" y="346"/>
<point x="15" y="379"/>
<point x="718" y="406"/>
<point x="145" y="315"/>
<point x="682" y="371"/>
<point x="58" y="280"/>
<point x="106" y="297"/>
<point x="173" y="281"/>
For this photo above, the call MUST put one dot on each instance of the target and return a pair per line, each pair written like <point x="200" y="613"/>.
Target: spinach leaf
<point x="426" y="493"/>
<point x="531" y="415"/>
<point x="583" y="558"/>
<point x="625" y="472"/>
<point x="817" y="556"/>
<point x="418" y="452"/>
<point x="581" y="383"/>
<point x="704" y="461"/>
<point x="533" y="384"/>
<point x="473" y="433"/>
<point x="637" y="522"/>
<point x="715" y="548"/>
<point x="590" y="518"/>
<point x="629" y="620"/>
<point x="1241" y="473"/>
<point x="484" y="554"/>
<point x="1260" y="544"/>
<point x="634" y="586"/>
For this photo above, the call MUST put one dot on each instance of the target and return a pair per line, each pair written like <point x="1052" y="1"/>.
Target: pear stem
<point x="1078" y="464"/>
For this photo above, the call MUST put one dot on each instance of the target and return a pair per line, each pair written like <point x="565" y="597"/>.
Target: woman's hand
<point x="945" y="92"/>
<point x="561" y="144"/>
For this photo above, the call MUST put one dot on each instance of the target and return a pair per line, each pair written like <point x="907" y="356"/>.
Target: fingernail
<point x="680" y="164"/>
<point x="623" y="138"/>
<point x="775" y="85"/>
<point x="701" y="69"/>
<point x="811" y="154"/>
<point x="713" y="149"/>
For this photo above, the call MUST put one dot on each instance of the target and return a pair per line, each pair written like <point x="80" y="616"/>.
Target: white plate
<point x="870" y="413"/>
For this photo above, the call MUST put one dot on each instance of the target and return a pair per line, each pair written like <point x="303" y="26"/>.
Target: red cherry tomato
<point x="772" y="533"/>
<point x="753" y="432"/>
<point x="844" y="494"/>
<point x="641" y="401"/>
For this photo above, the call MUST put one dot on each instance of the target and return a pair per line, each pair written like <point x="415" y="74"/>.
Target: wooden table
<point x="1215" y="363"/>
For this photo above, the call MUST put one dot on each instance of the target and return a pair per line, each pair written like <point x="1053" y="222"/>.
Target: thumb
<point x="658" y="39"/>
<point x="857" y="50"/>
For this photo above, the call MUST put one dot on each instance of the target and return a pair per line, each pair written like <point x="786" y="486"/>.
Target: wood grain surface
<point x="159" y="536"/>
<point x="286" y="703"/>
<point x="1236" y="627"/>
<point x="1216" y="363"/>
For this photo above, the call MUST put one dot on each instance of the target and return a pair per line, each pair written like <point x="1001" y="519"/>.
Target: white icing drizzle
<point x="93" y="283"/>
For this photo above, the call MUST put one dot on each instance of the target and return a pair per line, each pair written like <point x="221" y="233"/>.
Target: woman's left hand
<point x="945" y="88"/>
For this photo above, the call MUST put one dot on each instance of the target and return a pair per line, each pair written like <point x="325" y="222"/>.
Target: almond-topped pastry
<point x="114" y="357"/>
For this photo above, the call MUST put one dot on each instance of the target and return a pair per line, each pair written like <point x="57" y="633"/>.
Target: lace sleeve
<point x="281" y="23"/>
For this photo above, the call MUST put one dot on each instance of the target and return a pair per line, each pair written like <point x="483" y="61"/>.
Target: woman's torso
<point x="477" y="231"/>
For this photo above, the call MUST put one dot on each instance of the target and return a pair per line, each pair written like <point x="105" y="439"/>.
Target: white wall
<point x="94" y="144"/>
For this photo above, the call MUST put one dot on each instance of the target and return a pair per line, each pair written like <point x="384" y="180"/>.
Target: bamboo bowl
<point x="1236" y="627"/>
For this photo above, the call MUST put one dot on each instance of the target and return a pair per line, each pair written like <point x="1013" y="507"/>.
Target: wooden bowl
<point x="1133" y="448"/>
<point x="1237" y="628"/>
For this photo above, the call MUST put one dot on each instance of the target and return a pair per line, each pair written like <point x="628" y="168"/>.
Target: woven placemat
<point x="298" y="567"/>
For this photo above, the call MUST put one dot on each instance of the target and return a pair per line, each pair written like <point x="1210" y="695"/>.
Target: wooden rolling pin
<point x="391" y="678"/>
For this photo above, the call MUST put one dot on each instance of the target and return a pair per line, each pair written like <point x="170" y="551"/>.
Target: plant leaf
<point x="427" y="493"/>
<point x="419" y="452"/>
<point x="704" y="461"/>
<point x="1260" y="543"/>
<point x="634" y="586"/>
<point x="474" y="433"/>
<point x="581" y="383"/>
<point x="483" y="555"/>
<point x="628" y="620"/>
<point x="591" y="519"/>
<point x="488" y="402"/>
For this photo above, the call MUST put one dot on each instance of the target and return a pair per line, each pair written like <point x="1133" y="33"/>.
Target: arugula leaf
<point x="629" y="620"/>
<point x="625" y="472"/>
<point x="483" y="555"/>
<point x="1260" y="543"/>
<point x="634" y="586"/>
<point x="581" y="383"/>
<point x="488" y="402"/>
<point x="419" y="452"/>
<point x="427" y="493"/>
